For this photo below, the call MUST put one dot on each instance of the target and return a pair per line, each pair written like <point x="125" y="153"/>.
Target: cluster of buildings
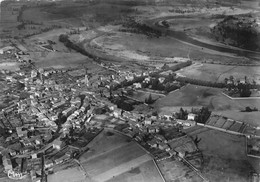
<point x="31" y="121"/>
<point x="16" y="52"/>
<point x="151" y="131"/>
<point x="50" y="106"/>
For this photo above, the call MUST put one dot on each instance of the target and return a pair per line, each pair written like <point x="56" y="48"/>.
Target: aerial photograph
<point x="129" y="90"/>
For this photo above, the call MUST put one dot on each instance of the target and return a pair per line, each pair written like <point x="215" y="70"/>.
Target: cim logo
<point x="15" y="175"/>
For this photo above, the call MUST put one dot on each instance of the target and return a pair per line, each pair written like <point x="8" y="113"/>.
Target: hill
<point x="241" y="31"/>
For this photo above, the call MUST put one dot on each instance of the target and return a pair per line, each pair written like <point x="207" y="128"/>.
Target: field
<point x="68" y="175"/>
<point x="115" y="157"/>
<point x="141" y="48"/>
<point x="251" y="118"/>
<point x="196" y="96"/>
<point x="145" y="172"/>
<point x="13" y="66"/>
<point x="77" y="14"/>
<point x="174" y="170"/>
<point x="218" y="73"/>
<point x="224" y="155"/>
<point x="61" y="60"/>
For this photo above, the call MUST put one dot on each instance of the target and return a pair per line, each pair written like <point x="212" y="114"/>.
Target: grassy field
<point x="113" y="157"/>
<point x="174" y="170"/>
<point x="102" y="143"/>
<point x="196" y="96"/>
<point x="145" y="172"/>
<point x="68" y="175"/>
<point x="217" y="73"/>
<point x="141" y="48"/>
<point x="224" y="155"/>
<point x="62" y="60"/>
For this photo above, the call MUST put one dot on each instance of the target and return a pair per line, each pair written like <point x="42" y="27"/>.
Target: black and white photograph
<point x="129" y="90"/>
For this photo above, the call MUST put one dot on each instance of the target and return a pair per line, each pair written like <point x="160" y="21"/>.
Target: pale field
<point x="112" y="157"/>
<point x="61" y="60"/>
<point x="102" y="143"/>
<point x="140" y="48"/>
<point x="12" y="66"/>
<point x="143" y="173"/>
<point x="218" y="73"/>
<point x="69" y="175"/>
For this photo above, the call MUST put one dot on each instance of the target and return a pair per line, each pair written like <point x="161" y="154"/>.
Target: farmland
<point x="113" y="157"/>
<point x="145" y="172"/>
<point x="68" y="175"/>
<point x="196" y="96"/>
<point x="174" y="170"/>
<point x="224" y="155"/>
<point x="218" y="73"/>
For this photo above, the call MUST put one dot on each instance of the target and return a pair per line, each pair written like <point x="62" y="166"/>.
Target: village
<point x="54" y="113"/>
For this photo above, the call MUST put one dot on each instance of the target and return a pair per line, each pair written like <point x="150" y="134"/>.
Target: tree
<point x="231" y="78"/>
<point x="226" y="80"/>
<point x="203" y="115"/>
<point x="149" y="100"/>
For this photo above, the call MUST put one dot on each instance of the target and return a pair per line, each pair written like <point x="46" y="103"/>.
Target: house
<point x="20" y="132"/>
<point x="147" y="80"/>
<point x="161" y="138"/>
<point x="188" y="123"/>
<point x="129" y="78"/>
<point x="26" y="143"/>
<point x="181" y="153"/>
<point x="163" y="146"/>
<point x="230" y="82"/>
<point x="151" y="130"/>
<point x="59" y="104"/>
<point x="38" y="141"/>
<point x="117" y="113"/>
<point x="152" y="144"/>
<point x="57" y="144"/>
<point x="191" y="116"/>
<point x="137" y="85"/>
<point x="161" y="79"/>
<point x="48" y="164"/>
<point x="62" y="159"/>
<point x="148" y="121"/>
<point x="172" y="152"/>
<point x="33" y="73"/>
<point x="34" y="156"/>
<point x="12" y="153"/>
